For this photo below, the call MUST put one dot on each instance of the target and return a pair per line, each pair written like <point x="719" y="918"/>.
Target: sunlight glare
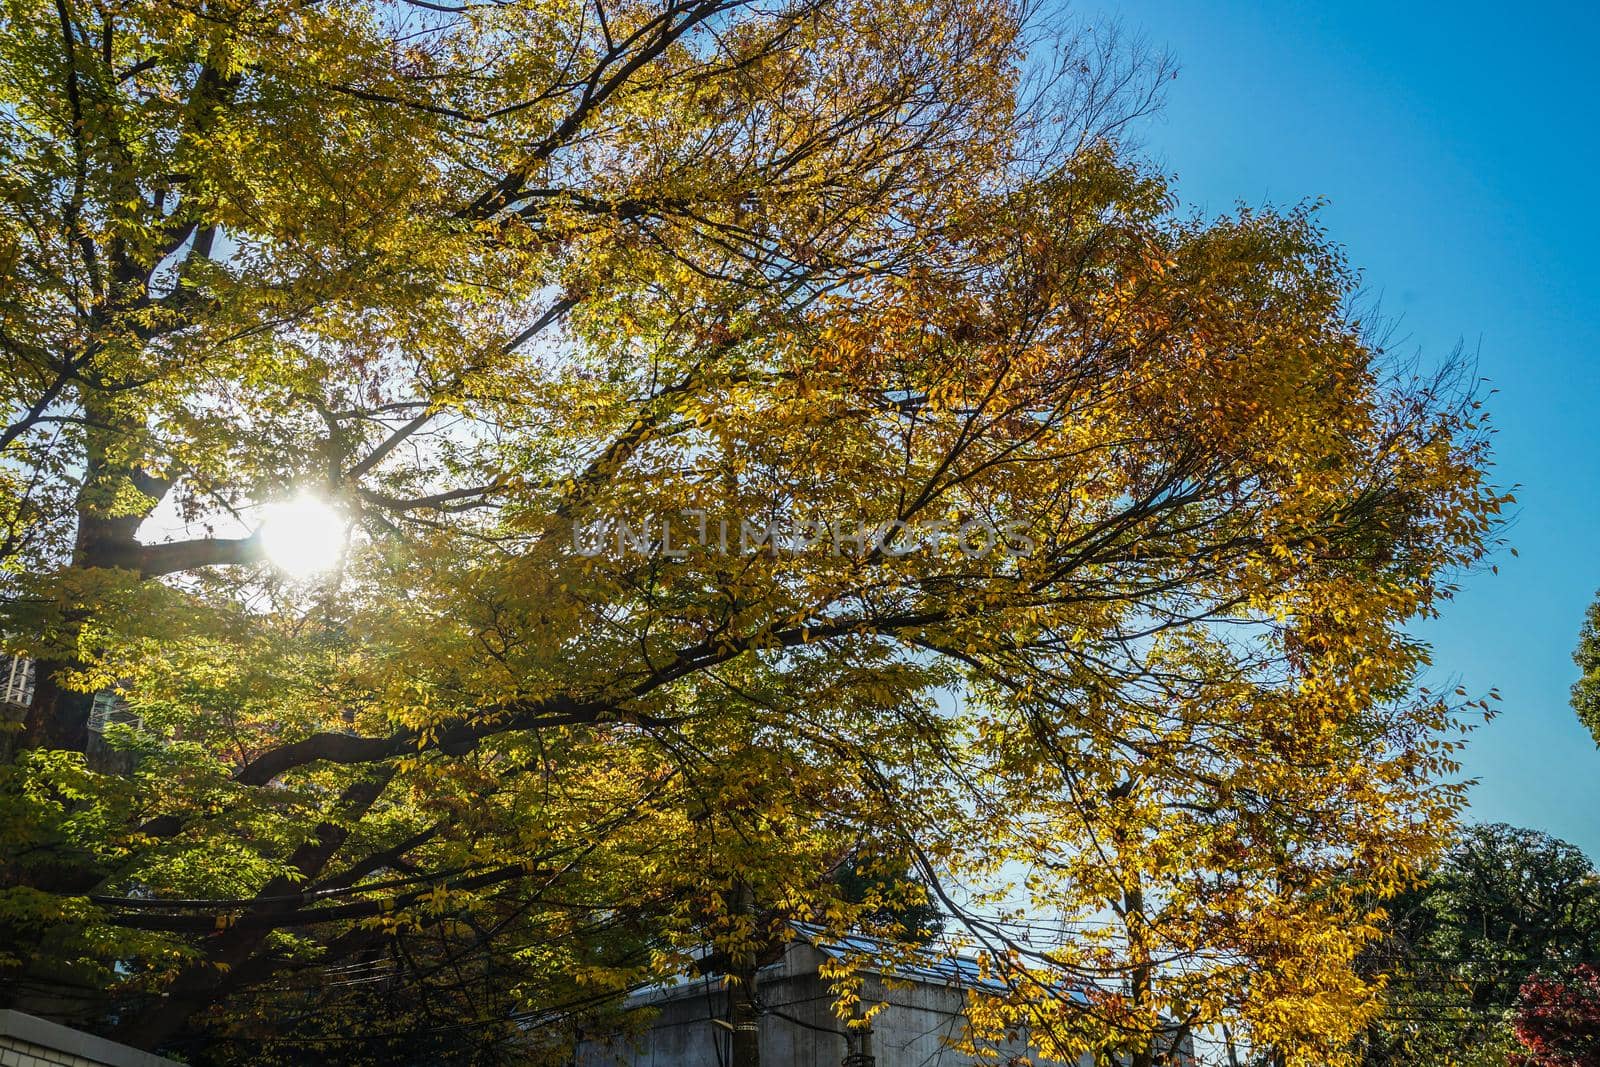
<point x="303" y="536"/>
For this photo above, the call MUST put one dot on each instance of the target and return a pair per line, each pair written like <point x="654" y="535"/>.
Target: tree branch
<point x="153" y="561"/>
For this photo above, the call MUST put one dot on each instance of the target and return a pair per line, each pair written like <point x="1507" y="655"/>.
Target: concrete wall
<point x="798" y="1027"/>
<point x="28" y="1041"/>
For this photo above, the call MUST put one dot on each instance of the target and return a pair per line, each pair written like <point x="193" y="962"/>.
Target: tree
<point x="899" y="907"/>
<point x="1586" y="690"/>
<point x="762" y="429"/>
<point x="1558" y="1020"/>
<point x="1505" y="904"/>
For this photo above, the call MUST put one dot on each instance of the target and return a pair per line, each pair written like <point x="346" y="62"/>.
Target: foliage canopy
<point x="1505" y="905"/>
<point x="1123" y="641"/>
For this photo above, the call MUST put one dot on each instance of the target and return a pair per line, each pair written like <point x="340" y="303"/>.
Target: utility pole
<point x="860" y="1045"/>
<point x="858" y="1037"/>
<point x="742" y="1017"/>
<point x="745" y="1044"/>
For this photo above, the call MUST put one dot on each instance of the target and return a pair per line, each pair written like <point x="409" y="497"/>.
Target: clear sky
<point x="1456" y="146"/>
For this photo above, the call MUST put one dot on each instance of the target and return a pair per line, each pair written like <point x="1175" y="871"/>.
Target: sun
<point x="303" y="536"/>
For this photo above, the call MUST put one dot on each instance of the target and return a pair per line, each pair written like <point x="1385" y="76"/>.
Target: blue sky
<point x="1456" y="147"/>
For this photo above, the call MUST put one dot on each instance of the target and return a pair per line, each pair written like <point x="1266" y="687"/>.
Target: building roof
<point x="914" y="963"/>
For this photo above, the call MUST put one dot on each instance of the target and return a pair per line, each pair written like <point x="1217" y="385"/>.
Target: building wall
<point x="28" y="1041"/>
<point x="798" y="1026"/>
<point x="15" y="1052"/>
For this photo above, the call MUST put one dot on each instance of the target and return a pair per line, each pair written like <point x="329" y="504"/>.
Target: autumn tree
<point x="761" y="431"/>
<point x="1558" y="1020"/>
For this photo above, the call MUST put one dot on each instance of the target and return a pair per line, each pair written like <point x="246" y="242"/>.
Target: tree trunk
<point x="106" y="538"/>
<point x="57" y="718"/>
